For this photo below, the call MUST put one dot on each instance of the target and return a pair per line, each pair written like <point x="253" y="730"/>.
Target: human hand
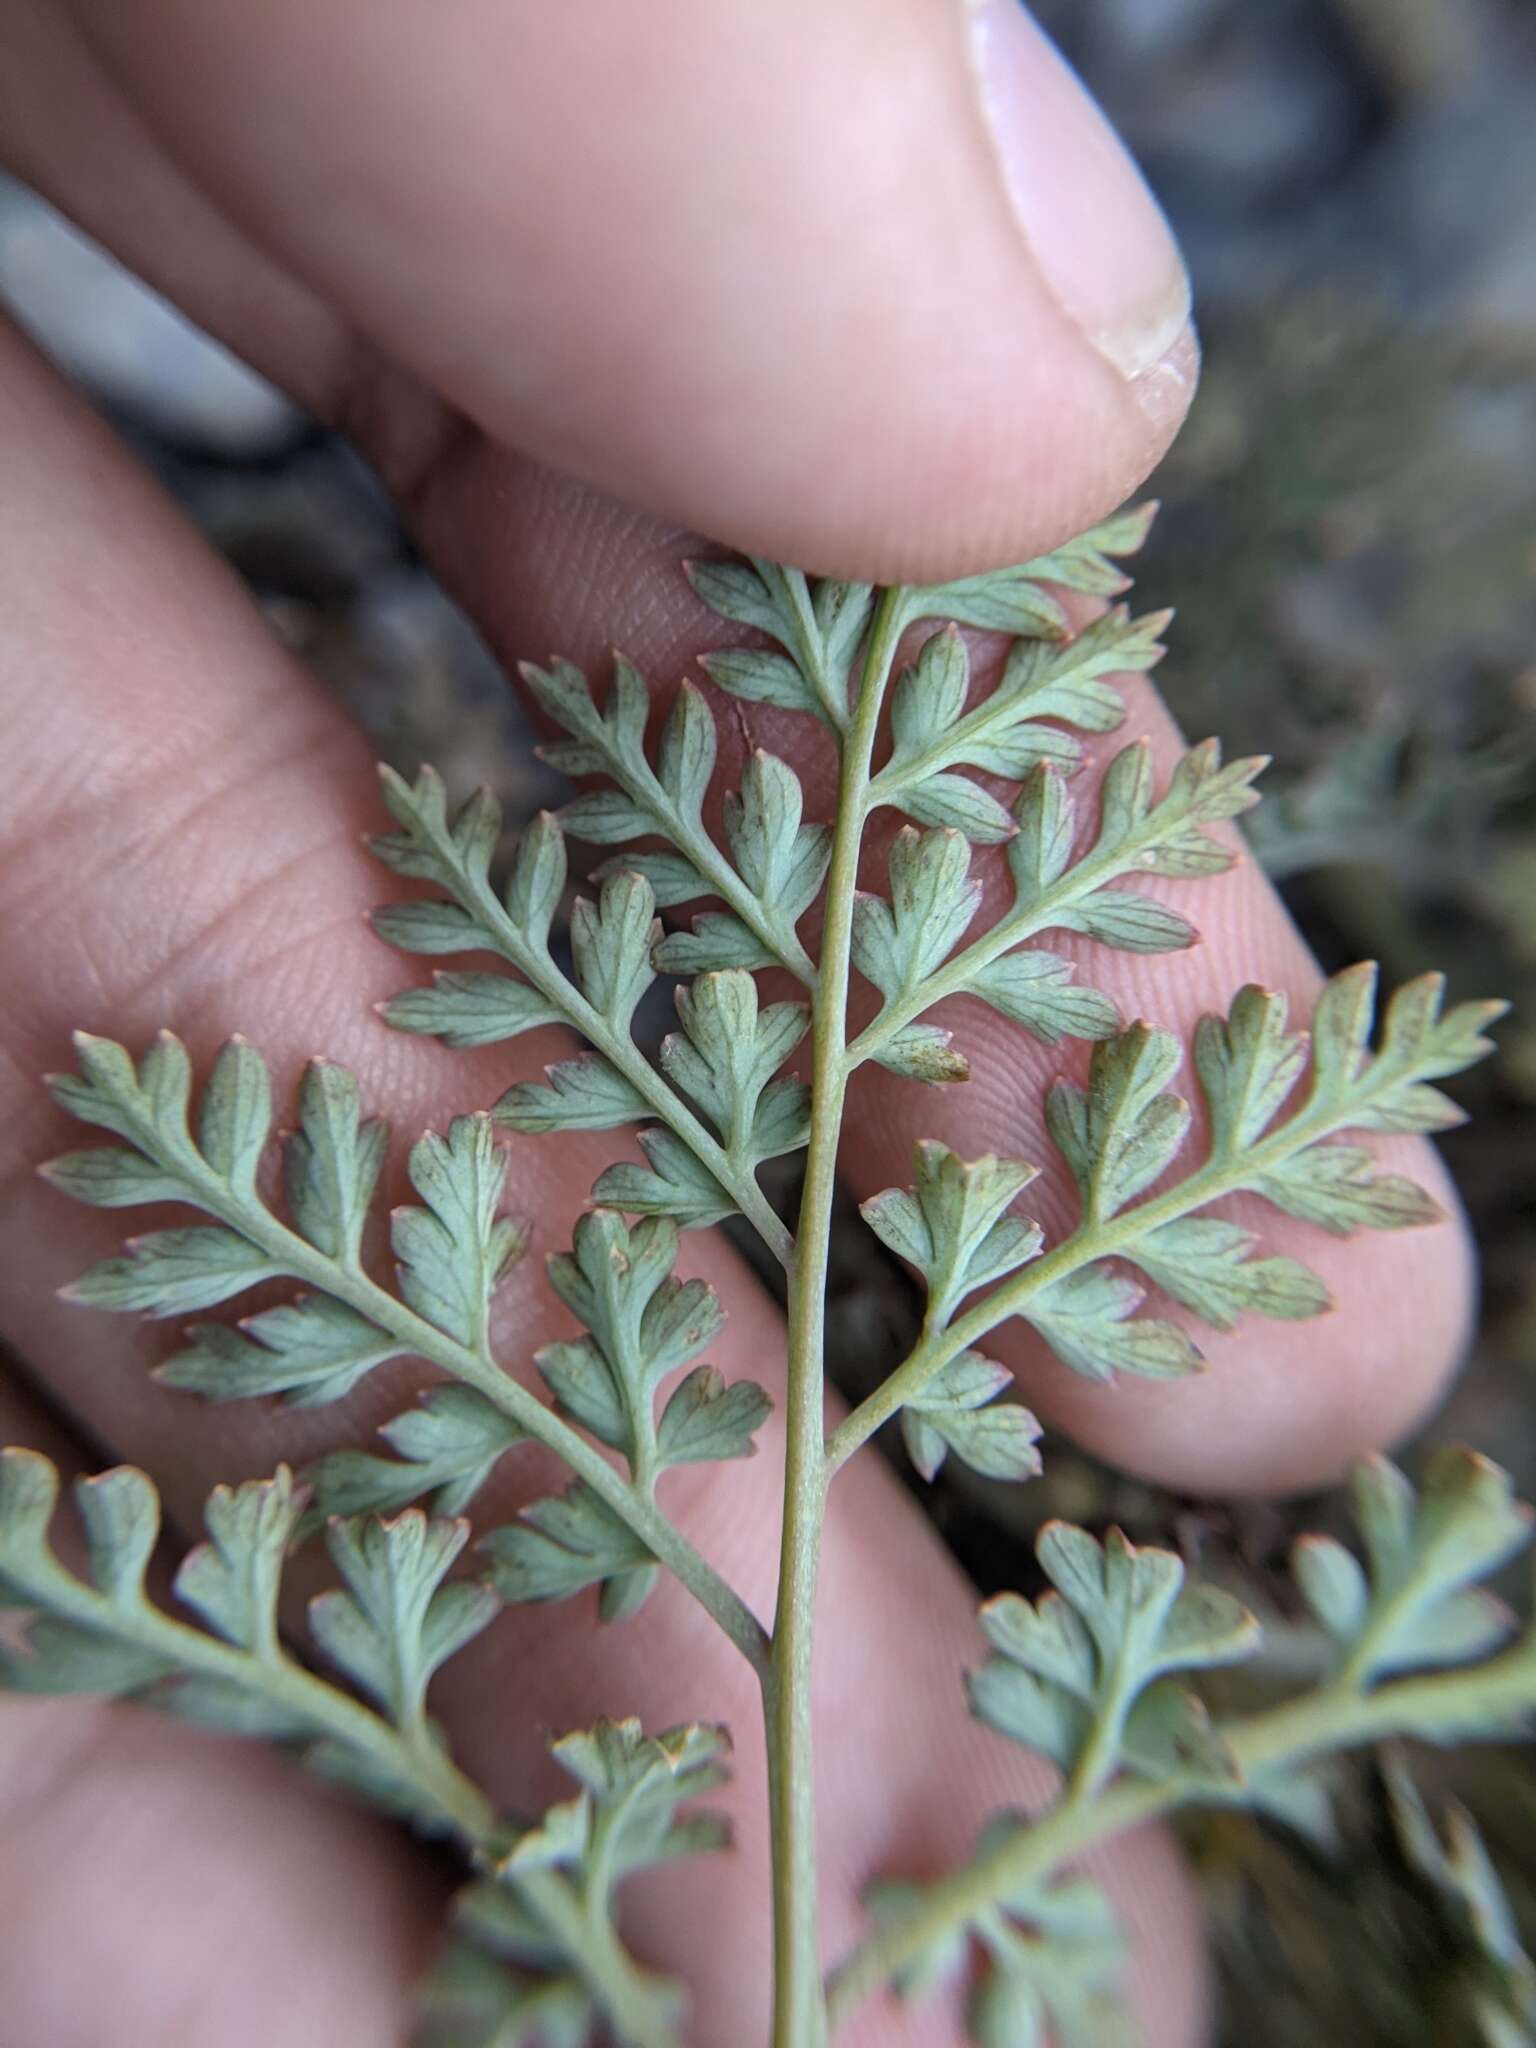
<point x="755" y="272"/>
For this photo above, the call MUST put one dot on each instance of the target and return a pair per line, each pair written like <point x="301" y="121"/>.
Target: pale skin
<point x="397" y="221"/>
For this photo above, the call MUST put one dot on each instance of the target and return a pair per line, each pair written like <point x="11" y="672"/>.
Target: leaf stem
<point x="1230" y="1173"/>
<point x="419" y="1762"/>
<point x="348" y="1283"/>
<point x="799" y="2018"/>
<point x="1336" y="1716"/>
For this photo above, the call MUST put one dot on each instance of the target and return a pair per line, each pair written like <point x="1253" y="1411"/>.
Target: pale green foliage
<point x="542" y="1964"/>
<point x="932" y="733"/>
<point x="1501" y="1986"/>
<point x="1053" y="1954"/>
<point x="1100" y="1675"/>
<point x="725" y="1058"/>
<point x="1272" y="1115"/>
<point x="642" y="1325"/>
<point x="445" y="1448"/>
<point x="389" y="1631"/>
<point x="980" y="750"/>
<point x="1057" y="885"/>
<point x="547" y="1897"/>
<point x="1083" y="1673"/>
<point x="1416" y="1601"/>
<point x="1020" y="600"/>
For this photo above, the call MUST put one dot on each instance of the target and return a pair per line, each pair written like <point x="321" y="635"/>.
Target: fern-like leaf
<point x="1083" y="1673"/>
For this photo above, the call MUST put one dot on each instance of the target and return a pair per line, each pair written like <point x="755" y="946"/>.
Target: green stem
<point x="1231" y="1173"/>
<point x="1336" y="1717"/>
<point x="478" y="1369"/>
<point x="445" y="1792"/>
<point x="799" y="2018"/>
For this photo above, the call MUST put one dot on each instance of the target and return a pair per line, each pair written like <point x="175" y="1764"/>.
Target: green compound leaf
<point x="959" y="1411"/>
<point x="726" y="1057"/>
<point x="1122" y="1132"/>
<point x="634" y="1787"/>
<point x="432" y="844"/>
<point x="232" y="1580"/>
<point x="235" y="1116"/>
<point x="674" y="1184"/>
<point x="819" y="628"/>
<point x="1014" y="601"/>
<point x="311" y="1351"/>
<point x="445" y="1450"/>
<point x="1418" y="1603"/>
<point x="612" y="943"/>
<point x="170" y="1272"/>
<point x="1501" y="1993"/>
<point x="781" y="862"/>
<point x="1082" y="1674"/>
<point x="562" y="1545"/>
<point x="898" y="944"/>
<point x="954" y="1225"/>
<point x="1089" y="1319"/>
<point x="466" y="1010"/>
<point x="1035" y="989"/>
<point x="84" y="1635"/>
<point x="642" y="1324"/>
<point x="581" y="1094"/>
<point x="1055" y="887"/>
<point x="471" y="2000"/>
<point x="1056" y="1957"/>
<point x="775" y="875"/>
<point x="707" y="1419"/>
<point x="538" y="1958"/>
<point x="397" y="1621"/>
<point x="453" y="1251"/>
<point x="100" y="1633"/>
<point x="932" y="734"/>
<point x="1206" y="1264"/>
<point x="332" y="1162"/>
<point x="1053" y="1959"/>
<point x="613" y="1084"/>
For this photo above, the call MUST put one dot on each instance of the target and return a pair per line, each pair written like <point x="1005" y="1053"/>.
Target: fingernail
<point x="1097" y="236"/>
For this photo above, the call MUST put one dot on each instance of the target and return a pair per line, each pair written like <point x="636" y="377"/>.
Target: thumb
<point x="868" y="285"/>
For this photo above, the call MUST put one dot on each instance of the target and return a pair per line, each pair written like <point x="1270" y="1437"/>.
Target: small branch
<point x="622" y="1053"/>
<point x="1335" y="1717"/>
<point x="1227" y="1175"/>
<point x="301" y="1261"/>
<point x="780" y="939"/>
<point x="1024" y="921"/>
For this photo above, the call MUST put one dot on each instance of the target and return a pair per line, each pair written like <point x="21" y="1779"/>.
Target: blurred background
<point x="1349" y="533"/>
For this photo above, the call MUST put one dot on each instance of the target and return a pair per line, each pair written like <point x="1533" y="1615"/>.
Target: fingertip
<point x="903" y="310"/>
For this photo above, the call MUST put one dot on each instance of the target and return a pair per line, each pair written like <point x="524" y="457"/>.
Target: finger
<point x="158" y="1884"/>
<point x="182" y="842"/>
<point x="870" y="287"/>
<point x="546" y="567"/>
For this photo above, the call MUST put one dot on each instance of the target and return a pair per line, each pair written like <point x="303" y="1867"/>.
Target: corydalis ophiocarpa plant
<point x="1101" y="1673"/>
